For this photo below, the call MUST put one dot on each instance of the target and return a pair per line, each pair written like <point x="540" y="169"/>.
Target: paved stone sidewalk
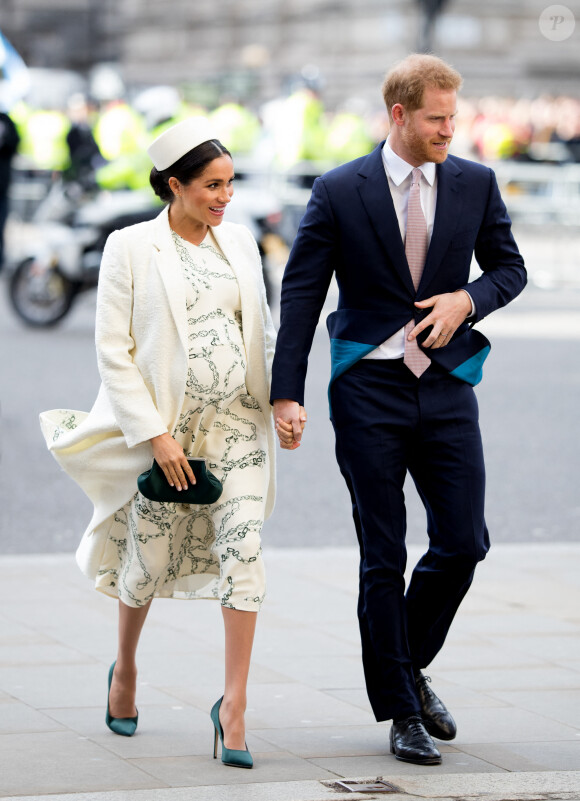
<point x="510" y="672"/>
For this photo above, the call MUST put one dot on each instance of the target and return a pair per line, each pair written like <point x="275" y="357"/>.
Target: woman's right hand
<point x="290" y="420"/>
<point x="172" y="460"/>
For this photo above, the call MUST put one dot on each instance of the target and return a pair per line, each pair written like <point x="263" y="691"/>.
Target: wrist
<point x="466" y="301"/>
<point x="159" y="437"/>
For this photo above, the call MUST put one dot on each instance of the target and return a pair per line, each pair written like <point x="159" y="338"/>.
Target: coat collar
<point x="171" y="272"/>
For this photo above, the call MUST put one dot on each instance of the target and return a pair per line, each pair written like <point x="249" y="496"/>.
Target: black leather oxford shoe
<point x="410" y="742"/>
<point x="436" y="718"/>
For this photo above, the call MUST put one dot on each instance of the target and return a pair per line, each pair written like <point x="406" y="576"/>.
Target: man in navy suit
<point x="389" y="416"/>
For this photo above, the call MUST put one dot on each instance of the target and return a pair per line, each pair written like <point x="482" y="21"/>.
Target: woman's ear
<point x="175" y="186"/>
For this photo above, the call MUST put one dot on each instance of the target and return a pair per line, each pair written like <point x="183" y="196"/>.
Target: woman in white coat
<point x="184" y="345"/>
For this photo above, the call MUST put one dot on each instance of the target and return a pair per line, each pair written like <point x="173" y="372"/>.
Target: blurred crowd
<point x="544" y="128"/>
<point x="108" y="143"/>
<point x="102" y="146"/>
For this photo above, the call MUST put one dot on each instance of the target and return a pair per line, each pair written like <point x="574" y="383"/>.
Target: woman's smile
<point x="203" y="201"/>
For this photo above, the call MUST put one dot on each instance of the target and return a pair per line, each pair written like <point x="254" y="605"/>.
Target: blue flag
<point x="14" y="79"/>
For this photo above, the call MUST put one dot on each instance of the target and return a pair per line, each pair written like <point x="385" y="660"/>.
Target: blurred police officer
<point x="8" y="146"/>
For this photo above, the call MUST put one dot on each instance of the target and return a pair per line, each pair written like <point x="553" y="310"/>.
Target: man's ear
<point x="398" y="114"/>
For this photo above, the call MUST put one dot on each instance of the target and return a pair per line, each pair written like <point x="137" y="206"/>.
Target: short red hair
<point x="405" y="83"/>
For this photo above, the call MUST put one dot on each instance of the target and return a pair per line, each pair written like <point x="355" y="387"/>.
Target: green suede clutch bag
<point x="207" y="488"/>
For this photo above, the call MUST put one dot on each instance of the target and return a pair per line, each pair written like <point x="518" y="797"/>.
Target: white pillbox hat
<point x="178" y="140"/>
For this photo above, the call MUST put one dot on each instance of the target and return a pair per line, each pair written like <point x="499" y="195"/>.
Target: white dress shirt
<point x="399" y="178"/>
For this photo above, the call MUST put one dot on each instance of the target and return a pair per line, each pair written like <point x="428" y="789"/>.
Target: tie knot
<point x="416" y="176"/>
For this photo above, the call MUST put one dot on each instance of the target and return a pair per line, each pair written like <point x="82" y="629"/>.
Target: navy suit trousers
<point x="387" y="423"/>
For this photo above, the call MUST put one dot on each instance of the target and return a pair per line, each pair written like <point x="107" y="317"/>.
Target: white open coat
<point x="142" y="348"/>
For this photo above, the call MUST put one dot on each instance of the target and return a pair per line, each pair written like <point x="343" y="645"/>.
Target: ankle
<point x="125" y="671"/>
<point x="409" y="716"/>
<point x="234" y="705"/>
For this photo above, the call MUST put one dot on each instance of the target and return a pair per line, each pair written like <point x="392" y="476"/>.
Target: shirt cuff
<point x="472" y="312"/>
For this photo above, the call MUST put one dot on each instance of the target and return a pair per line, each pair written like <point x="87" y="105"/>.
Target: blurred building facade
<point x="64" y="34"/>
<point x="257" y="49"/>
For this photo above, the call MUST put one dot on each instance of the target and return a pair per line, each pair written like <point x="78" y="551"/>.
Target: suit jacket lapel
<point x="376" y="197"/>
<point x="447" y="213"/>
<point x="171" y="273"/>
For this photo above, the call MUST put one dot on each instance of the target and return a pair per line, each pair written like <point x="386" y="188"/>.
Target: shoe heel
<point x="123" y="726"/>
<point x="236" y="759"/>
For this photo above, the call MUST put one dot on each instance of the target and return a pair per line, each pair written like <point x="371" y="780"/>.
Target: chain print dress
<point x="204" y="551"/>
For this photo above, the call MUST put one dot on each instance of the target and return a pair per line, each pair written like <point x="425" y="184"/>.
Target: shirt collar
<point x="398" y="169"/>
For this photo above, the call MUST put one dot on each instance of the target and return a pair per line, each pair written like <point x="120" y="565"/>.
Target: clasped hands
<point x="290" y="419"/>
<point x="449" y="310"/>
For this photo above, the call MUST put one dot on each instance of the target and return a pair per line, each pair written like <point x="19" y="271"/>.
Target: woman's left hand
<point x="172" y="460"/>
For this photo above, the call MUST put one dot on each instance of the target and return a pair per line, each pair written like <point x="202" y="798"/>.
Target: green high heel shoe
<point x="126" y="727"/>
<point x="236" y="759"/>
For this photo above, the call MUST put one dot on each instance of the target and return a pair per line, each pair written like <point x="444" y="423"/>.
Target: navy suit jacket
<point x="350" y="229"/>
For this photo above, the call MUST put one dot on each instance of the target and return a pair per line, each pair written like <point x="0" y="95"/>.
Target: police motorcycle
<point x="55" y="256"/>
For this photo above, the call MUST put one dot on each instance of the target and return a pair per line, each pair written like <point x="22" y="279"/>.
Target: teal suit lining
<point x="471" y="370"/>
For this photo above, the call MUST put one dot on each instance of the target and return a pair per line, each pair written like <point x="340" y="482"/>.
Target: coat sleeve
<point x="304" y="288"/>
<point x="504" y="274"/>
<point x="130" y="399"/>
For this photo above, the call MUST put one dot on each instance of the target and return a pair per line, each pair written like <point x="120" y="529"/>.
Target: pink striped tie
<point x="416" y="243"/>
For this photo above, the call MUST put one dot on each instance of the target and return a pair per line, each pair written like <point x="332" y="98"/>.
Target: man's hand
<point x="172" y="460"/>
<point x="449" y="311"/>
<point x="290" y="420"/>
